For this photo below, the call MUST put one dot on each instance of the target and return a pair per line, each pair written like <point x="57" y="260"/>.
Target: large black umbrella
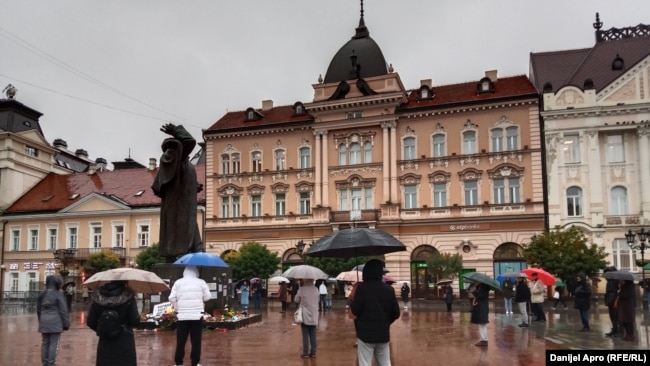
<point x="355" y="242"/>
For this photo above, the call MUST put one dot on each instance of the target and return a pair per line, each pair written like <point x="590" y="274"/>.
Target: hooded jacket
<point x="611" y="288"/>
<point x="582" y="293"/>
<point x="51" y="308"/>
<point x="188" y="295"/>
<point x="374" y="304"/>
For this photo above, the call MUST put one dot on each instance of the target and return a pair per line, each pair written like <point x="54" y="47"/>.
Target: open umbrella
<point x="542" y="275"/>
<point x="389" y="280"/>
<point x="483" y="278"/>
<point x="305" y="271"/>
<point x="67" y="284"/>
<point x="355" y="242"/>
<point x="360" y="268"/>
<point x="201" y="259"/>
<point x="350" y="276"/>
<point x="137" y="280"/>
<point x="278" y="279"/>
<point x="444" y="282"/>
<point x="254" y="280"/>
<point x="503" y="276"/>
<point x="621" y="275"/>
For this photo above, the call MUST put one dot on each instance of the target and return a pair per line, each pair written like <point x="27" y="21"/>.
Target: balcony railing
<point x="84" y="253"/>
<point x="363" y="215"/>
<point x="622" y="220"/>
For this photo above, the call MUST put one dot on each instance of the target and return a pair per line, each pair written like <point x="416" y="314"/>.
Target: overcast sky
<point x="107" y="74"/>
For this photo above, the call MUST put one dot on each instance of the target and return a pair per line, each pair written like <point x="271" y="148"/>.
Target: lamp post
<point x="641" y="246"/>
<point x="64" y="256"/>
<point x="301" y="248"/>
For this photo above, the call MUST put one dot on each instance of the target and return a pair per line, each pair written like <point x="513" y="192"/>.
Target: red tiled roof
<point x="275" y="116"/>
<point x="466" y="93"/>
<point x="121" y="184"/>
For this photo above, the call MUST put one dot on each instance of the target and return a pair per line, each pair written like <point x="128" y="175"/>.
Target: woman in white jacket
<point x="188" y="296"/>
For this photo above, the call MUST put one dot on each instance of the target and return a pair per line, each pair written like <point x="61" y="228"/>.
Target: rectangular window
<point x="225" y="164"/>
<point x="280" y="160"/>
<point x="514" y="191"/>
<point x="257" y="162"/>
<point x="368" y="199"/>
<point x="236" y="207"/>
<point x="410" y="196"/>
<point x="95" y="235"/>
<point x="256" y="205"/>
<point x="615" y="153"/>
<point x="438" y="146"/>
<point x="225" y="206"/>
<point x="143" y="235"/>
<point x="353" y="115"/>
<point x="409" y="148"/>
<point x="14" y="281"/>
<point x="32" y="282"/>
<point x="31" y="151"/>
<point x="439" y="194"/>
<point x="497" y="140"/>
<point x="33" y="239"/>
<point x="367" y="152"/>
<point x="355" y="153"/>
<point x="280" y="204"/>
<point x="305" y="158"/>
<point x="471" y="192"/>
<point x="305" y="203"/>
<point x="355" y="199"/>
<point x="469" y="142"/>
<point x="72" y="237"/>
<point x="571" y="149"/>
<point x="624" y="257"/>
<point x="343" y="200"/>
<point x="51" y="238"/>
<point x="118" y="236"/>
<point x="499" y="190"/>
<point x="236" y="164"/>
<point x="512" y="137"/>
<point x="15" y="240"/>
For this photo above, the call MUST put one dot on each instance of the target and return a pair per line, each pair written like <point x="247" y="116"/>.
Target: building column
<point x="594" y="191"/>
<point x="325" y="170"/>
<point x="385" y="162"/>
<point x="644" y="168"/>
<point x="394" y="197"/>
<point x="317" y="168"/>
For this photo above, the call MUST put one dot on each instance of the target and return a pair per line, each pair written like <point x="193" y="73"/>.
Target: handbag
<point x="297" y="316"/>
<point x="556" y="295"/>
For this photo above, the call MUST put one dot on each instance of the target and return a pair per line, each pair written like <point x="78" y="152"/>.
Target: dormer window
<point x="485" y="85"/>
<point x="299" y="109"/>
<point x="618" y="63"/>
<point x="425" y="93"/>
<point x="252" y="115"/>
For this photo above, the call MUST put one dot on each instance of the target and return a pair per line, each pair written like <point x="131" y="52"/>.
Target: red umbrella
<point x="542" y="275"/>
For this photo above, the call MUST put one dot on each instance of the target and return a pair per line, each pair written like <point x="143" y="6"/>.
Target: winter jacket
<point x="121" y="350"/>
<point x="449" y="295"/>
<point x="522" y="292"/>
<point x="611" y="288"/>
<point x="582" y="295"/>
<point x="308" y="298"/>
<point x="51" y="308"/>
<point x="507" y="289"/>
<point x="537" y="290"/>
<point x="405" y="291"/>
<point x="627" y="303"/>
<point x="374" y="304"/>
<point x="480" y="306"/>
<point x="189" y="294"/>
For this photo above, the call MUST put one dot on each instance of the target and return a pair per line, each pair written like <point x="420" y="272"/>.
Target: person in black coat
<point x="53" y="318"/>
<point x="405" y="291"/>
<point x="627" y="308"/>
<point x="480" y="311"/>
<point x="121" y="350"/>
<point x="449" y="297"/>
<point x="522" y="298"/>
<point x="375" y="306"/>
<point x="610" y="295"/>
<point x="582" y="294"/>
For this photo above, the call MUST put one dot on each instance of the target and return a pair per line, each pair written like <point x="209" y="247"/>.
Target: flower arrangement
<point x="228" y="314"/>
<point x="168" y="318"/>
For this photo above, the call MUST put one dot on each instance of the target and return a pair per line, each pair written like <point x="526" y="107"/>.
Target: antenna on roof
<point x="129" y="153"/>
<point x="362" y="8"/>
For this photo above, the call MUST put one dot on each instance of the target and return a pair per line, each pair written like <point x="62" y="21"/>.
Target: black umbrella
<point x="355" y="242"/>
<point x="621" y="275"/>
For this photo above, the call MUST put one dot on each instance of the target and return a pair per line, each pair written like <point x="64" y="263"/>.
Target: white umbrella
<point x="350" y="276"/>
<point x="137" y="280"/>
<point x="278" y="279"/>
<point x="305" y="271"/>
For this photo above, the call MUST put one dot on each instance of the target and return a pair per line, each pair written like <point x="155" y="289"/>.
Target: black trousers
<point x="613" y="317"/>
<point x="193" y="329"/>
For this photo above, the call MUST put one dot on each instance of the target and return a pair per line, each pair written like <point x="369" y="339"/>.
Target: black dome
<point x="369" y="58"/>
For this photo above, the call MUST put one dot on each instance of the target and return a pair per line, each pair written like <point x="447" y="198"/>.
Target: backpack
<point x="108" y="325"/>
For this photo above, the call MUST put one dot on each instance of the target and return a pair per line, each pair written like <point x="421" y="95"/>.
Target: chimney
<point x="492" y="75"/>
<point x="100" y="164"/>
<point x="60" y="144"/>
<point x="267" y="105"/>
<point x="81" y="153"/>
<point x="152" y="163"/>
<point x="426" y="82"/>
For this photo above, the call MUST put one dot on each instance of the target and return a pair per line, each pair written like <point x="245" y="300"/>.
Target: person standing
<point x="611" y="291"/>
<point x="627" y="308"/>
<point x="69" y="295"/>
<point x="582" y="302"/>
<point x="559" y="297"/>
<point x="507" y="289"/>
<point x="375" y="307"/>
<point x="322" y="290"/>
<point x="308" y="298"/>
<point x="405" y="291"/>
<point x="256" y="289"/>
<point x="119" y="350"/>
<point x="328" y="297"/>
<point x="53" y="319"/>
<point x="480" y="311"/>
<point x="283" y="295"/>
<point x="187" y="296"/>
<point x="84" y="294"/>
<point x="537" y="290"/>
<point x="449" y="297"/>
<point x="522" y="297"/>
<point x="245" y="291"/>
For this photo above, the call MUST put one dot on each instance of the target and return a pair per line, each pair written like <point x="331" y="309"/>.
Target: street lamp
<point x="643" y="236"/>
<point x="64" y="256"/>
<point x="300" y="247"/>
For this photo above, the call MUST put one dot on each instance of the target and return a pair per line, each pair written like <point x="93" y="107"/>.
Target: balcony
<point x="622" y="220"/>
<point x="364" y="216"/>
<point x="84" y="253"/>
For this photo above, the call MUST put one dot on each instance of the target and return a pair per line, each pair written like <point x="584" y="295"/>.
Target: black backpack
<point x="109" y="325"/>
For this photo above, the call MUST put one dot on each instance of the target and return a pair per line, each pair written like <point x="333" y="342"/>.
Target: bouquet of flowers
<point x="168" y="318"/>
<point x="228" y="313"/>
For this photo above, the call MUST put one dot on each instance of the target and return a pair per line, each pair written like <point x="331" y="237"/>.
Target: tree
<point x="334" y="266"/>
<point x="102" y="261"/>
<point x="445" y="265"/>
<point x="565" y="253"/>
<point x="148" y="257"/>
<point x="252" y="260"/>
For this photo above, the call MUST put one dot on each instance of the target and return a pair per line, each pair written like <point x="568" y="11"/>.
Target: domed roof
<point x="360" y="57"/>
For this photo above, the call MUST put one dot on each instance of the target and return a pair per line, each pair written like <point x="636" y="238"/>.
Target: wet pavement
<point x="425" y="335"/>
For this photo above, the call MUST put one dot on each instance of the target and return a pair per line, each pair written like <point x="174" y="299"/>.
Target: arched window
<point x="256" y="158"/>
<point x="280" y="160"/>
<point x="343" y="153"/>
<point x="225" y="164"/>
<point x="618" y="201"/>
<point x="574" y="202"/>
<point x="469" y="142"/>
<point x="409" y="148"/>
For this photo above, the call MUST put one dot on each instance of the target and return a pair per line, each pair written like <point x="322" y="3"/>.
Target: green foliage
<point x="334" y="266"/>
<point x="565" y="253"/>
<point x="102" y="261"/>
<point x="252" y="260"/>
<point x="445" y="265"/>
<point x="148" y="257"/>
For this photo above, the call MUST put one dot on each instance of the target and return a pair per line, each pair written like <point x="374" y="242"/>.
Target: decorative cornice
<point x="481" y="108"/>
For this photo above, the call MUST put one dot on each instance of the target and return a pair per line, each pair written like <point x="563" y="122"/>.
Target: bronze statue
<point x="176" y="185"/>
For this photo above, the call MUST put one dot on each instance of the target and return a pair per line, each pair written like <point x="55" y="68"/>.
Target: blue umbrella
<point x="201" y="259"/>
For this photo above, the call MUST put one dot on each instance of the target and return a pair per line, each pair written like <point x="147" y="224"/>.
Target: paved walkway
<point x="425" y="335"/>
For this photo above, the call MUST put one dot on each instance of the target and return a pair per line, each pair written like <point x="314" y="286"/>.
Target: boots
<point x="613" y="332"/>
